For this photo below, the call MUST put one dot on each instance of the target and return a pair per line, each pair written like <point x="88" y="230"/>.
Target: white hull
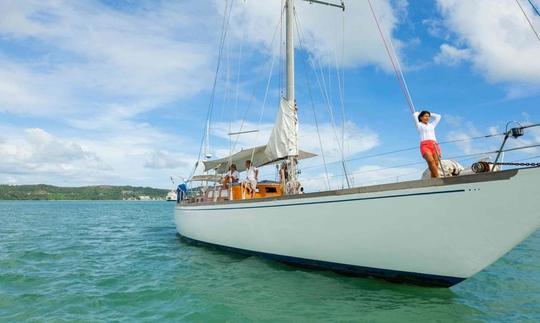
<point x="436" y="232"/>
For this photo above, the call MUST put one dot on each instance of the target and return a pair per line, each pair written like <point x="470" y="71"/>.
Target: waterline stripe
<point x="395" y="276"/>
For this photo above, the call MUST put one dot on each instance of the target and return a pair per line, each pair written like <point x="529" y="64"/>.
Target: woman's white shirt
<point x="233" y="174"/>
<point x="427" y="131"/>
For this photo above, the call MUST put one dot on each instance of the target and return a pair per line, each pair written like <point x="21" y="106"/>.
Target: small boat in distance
<point x="171" y="196"/>
<point x="435" y="232"/>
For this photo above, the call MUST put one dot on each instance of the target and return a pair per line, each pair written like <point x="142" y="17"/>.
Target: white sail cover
<point x="258" y="155"/>
<point x="207" y="178"/>
<point x="284" y="138"/>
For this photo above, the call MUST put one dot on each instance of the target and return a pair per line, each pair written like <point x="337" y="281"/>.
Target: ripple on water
<point x="121" y="261"/>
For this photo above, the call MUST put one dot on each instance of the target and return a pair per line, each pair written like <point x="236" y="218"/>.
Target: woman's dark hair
<point x="423" y="113"/>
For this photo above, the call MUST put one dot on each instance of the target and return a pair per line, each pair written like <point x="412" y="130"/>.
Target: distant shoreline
<point x="43" y="192"/>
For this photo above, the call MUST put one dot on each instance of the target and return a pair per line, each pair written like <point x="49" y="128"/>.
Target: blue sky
<point x="116" y="92"/>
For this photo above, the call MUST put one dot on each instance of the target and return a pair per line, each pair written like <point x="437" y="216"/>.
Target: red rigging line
<point x="534" y="8"/>
<point x="527" y="17"/>
<point x="393" y="59"/>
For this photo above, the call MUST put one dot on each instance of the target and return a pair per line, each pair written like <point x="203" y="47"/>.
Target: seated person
<point x="231" y="176"/>
<point x="250" y="183"/>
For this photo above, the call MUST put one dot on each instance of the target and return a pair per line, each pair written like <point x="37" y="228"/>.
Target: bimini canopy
<point x="259" y="156"/>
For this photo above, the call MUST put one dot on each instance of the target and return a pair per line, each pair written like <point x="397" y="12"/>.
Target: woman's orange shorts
<point x="430" y="146"/>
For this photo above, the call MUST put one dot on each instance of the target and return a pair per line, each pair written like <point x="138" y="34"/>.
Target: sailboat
<point x="434" y="232"/>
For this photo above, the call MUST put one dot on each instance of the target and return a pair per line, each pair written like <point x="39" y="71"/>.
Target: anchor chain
<point x="516" y="164"/>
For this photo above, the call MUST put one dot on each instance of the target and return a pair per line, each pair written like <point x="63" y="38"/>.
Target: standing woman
<point x="429" y="148"/>
<point x="283" y="175"/>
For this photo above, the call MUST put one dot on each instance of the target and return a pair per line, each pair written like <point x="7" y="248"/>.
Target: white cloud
<point x="93" y="69"/>
<point x="501" y="44"/>
<point x="357" y="139"/>
<point x="316" y="181"/>
<point x="450" y="55"/>
<point x="361" y="176"/>
<point x="436" y="28"/>
<point x="464" y="130"/>
<point x="162" y="159"/>
<point x="44" y="148"/>
<point x="322" y="29"/>
<point x="465" y="146"/>
<point x="39" y="152"/>
<point x="137" y="154"/>
<point x="376" y="174"/>
<point x="97" y="52"/>
<point x="493" y="130"/>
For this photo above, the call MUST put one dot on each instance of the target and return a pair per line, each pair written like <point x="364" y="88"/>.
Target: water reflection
<point x="273" y="287"/>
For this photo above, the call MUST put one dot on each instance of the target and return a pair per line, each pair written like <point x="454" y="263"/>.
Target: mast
<point x="292" y="153"/>
<point x="289" y="41"/>
<point x="289" y="96"/>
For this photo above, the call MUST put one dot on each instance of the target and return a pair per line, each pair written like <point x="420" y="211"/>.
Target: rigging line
<point x="530" y="126"/>
<point x="259" y="79"/>
<point x="342" y="83"/>
<point x="440" y="143"/>
<point x="460" y="158"/>
<point x="457" y="157"/>
<point x="518" y="148"/>
<point x="330" y="107"/>
<point x="400" y="69"/>
<point x="222" y="47"/>
<point x="234" y="115"/>
<point x="341" y="88"/>
<point x="318" y="132"/>
<point x="415" y="148"/>
<point x="310" y="92"/>
<point x="227" y="86"/>
<point x="395" y="64"/>
<point x="224" y="27"/>
<point x="528" y="158"/>
<point x="281" y="52"/>
<point x="325" y="94"/>
<point x="528" y="20"/>
<point x="322" y="87"/>
<point x="266" y="96"/>
<point x="316" y="124"/>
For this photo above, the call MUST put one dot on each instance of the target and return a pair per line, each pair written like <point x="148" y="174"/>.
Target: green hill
<point x="101" y="192"/>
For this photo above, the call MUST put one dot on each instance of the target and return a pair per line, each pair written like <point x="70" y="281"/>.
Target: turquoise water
<point x="121" y="261"/>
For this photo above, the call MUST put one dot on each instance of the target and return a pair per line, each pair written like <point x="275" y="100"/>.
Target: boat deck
<point x="463" y="179"/>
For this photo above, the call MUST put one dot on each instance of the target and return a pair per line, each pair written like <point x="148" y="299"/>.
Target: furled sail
<point x="284" y="138"/>
<point x="283" y="143"/>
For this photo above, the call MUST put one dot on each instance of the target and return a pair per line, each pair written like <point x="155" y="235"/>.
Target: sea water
<point x="122" y="261"/>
